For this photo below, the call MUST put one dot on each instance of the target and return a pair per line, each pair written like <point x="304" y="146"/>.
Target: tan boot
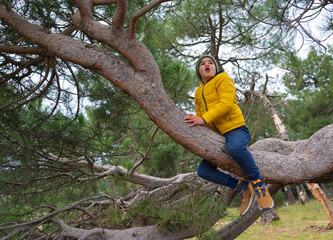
<point x="264" y="199"/>
<point x="246" y="196"/>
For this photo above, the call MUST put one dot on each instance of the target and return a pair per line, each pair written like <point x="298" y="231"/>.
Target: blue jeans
<point x="236" y="142"/>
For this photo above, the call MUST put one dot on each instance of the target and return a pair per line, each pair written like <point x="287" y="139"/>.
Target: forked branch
<point x="142" y="12"/>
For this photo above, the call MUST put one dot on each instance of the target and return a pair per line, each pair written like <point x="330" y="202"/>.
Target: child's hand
<point x="194" y="120"/>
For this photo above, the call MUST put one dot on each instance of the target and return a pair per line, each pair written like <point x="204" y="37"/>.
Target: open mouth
<point x="207" y="69"/>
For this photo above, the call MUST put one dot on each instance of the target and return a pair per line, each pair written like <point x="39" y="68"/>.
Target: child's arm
<point x="195" y="120"/>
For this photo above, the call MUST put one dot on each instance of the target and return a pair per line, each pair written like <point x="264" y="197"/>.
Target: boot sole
<point x="264" y="209"/>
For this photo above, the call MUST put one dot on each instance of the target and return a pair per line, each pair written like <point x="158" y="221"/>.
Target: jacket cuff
<point x="204" y="120"/>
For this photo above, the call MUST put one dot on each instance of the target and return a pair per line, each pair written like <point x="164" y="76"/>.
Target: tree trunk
<point x="236" y="227"/>
<point x="305" y="193"/>
<point x="321" y="197"/>
<point x="298" y="189"/>
<point x="315" y="189"/>
<point x="291" y="196"/>
<point x="323" y="187"/>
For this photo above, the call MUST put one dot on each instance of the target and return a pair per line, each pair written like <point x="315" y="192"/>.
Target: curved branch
<point x="29" y="93"/>
<point x="21" y="50"/>
<point x="53" y="213"/>
<point x="119" y="16"/>
<point x="85" y="8"/>
<point x="144" y="156"/>
<point x="103" y="2"/>
<point x="119" y="172"/>
<point x="54" y="74"/>
<point x="142" y="12"/>
<point x="24" y="65"/>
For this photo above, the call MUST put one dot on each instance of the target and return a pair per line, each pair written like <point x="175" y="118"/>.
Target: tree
<point x="69" y="38"/>
<point x="309" y="82"/>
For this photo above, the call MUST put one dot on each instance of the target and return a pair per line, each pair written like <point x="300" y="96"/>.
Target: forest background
<point x="80" y="152"/>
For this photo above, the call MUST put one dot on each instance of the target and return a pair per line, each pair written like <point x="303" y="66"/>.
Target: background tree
<point x="309" y="83"/>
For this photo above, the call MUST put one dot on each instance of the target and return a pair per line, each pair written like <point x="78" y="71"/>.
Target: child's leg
<point x="236" y="142"/>
<point x="210" y="172"/>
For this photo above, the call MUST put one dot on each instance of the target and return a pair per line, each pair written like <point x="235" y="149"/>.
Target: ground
<point x="297" y="222"/>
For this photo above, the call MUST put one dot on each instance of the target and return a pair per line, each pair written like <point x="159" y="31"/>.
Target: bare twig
<point x="145" y="156"/>
<point x="26" y="96"/>
<point x="265" y="85"/>
<point x="24" y="66"/>
<point x="53" y="213"/>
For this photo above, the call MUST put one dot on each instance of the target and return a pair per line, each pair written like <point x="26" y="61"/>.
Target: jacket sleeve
<point x="226" y="92"/>
<point x="197" y="103"/>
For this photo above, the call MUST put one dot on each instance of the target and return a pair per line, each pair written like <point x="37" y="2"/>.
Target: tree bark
<point x="321" y="197"/>
<point x="291" y="196"/>
<point x="305" y="193"/>
<point x="298" y="189"/>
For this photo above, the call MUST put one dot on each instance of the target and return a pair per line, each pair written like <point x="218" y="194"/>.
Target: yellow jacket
<point x="216" y="103"/>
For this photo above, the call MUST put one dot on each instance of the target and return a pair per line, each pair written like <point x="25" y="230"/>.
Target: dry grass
<point x="297" y="222"/>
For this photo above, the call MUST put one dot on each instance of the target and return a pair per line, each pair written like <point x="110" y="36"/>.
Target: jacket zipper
<point x="203" y="97"/>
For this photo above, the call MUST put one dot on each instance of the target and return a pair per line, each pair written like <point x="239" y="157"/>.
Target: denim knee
<point x="244" y="159"/>
<point x="205" y="169"/>
<point x="235" y="149"/>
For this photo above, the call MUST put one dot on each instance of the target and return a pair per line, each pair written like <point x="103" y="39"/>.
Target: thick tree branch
<point x="119" y="16"/>
<point x="21" y="50"/>
<point x="143" y="233"/>
<point x="120" y="172"/>
<point x="103" y="2"/>
<point x="85" y="8"/>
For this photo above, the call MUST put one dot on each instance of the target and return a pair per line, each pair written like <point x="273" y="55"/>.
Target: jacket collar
<point x="214" y="76"/>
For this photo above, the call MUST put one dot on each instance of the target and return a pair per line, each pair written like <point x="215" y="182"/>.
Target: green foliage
<point x="194" y="212"/>
<point x="279" y="199"/>
<point x="177" y="80"/>
<point x="210" y="235"/>
<point x="309" y="73"/>
<point x="258" y="120"/>
<point x="311" y="87"/>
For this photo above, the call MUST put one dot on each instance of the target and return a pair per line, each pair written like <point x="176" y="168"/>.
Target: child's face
<point x="207" y="69"/>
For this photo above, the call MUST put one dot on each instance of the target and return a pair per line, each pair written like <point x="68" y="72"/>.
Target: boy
<point x="216" y="108"/>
